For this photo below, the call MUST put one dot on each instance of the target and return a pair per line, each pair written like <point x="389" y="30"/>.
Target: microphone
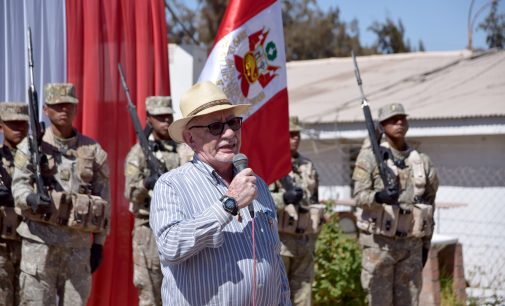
<point x="240" y="162"/>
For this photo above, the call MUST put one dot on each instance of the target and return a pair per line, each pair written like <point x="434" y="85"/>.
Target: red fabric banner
<point x="101" y="34"/>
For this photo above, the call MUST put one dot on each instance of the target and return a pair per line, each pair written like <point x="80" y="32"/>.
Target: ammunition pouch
<point x="57" y="213"/>
<point x="84" y="163"/>
<point x="80" y="212"/>
<point x="423" y="220"/>
<point x="301" y="221"/>
<point x="393" y="221"/>
<point x="9" y="222"/>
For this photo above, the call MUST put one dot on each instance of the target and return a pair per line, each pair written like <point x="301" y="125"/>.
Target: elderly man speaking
<point x="212" y="252"/>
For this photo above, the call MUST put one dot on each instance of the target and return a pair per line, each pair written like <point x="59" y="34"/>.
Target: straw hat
<point x="202" y="99"/>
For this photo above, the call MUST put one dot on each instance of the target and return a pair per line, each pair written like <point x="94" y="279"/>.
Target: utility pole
<point x="471" y="20"/>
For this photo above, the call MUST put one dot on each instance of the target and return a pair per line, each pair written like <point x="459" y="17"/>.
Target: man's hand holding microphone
<point x="243" y="186"/>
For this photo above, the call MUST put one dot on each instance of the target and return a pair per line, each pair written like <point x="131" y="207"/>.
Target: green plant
<point x="338" y="268"/>
<point x="447" y="296"/>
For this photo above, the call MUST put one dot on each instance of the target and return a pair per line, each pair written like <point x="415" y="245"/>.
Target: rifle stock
<point x="154" y="165"/>
<point x="36" y="127"/>
<point x="387" y="175"/>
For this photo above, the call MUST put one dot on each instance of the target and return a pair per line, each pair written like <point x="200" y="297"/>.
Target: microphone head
<point x="240" y="161"/>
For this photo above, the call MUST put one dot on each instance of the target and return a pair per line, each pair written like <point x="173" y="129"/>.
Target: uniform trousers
<point x="10" y="255"/>
<point x="298" y="255"/>
<point x="391" y="270"/>
<point x="54" y="275"/>
<point x="147" y="275"/>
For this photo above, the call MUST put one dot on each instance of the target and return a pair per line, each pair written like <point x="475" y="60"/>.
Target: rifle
<point x="154" y="165"/>
<point x="381" y="154"/>
<point x="36" y="128"/>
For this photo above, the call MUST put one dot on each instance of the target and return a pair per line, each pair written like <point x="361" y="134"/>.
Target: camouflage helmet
<point x="294" y="124"/>
<point x="56" y="93"/>
<point x="391" y="110"/>
<point x="13" y="111"/>
<point x="159" y="105"/>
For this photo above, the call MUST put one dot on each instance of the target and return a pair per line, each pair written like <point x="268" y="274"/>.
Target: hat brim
<point x="14" y="117"/>
<point x="161" y="111"/>
<point x="61" y="100"/>
<point x="392" y="115"/>
<point x="178" y="126"/>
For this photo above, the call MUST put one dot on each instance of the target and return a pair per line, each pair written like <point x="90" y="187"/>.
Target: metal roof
<point x="431" y="85"/>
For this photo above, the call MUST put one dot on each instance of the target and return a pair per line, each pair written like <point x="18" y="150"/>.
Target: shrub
<point x="338" y="268"/>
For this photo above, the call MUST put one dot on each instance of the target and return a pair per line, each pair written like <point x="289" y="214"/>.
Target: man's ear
<point x="188" y="138"/>
<point x="44" y="108"/>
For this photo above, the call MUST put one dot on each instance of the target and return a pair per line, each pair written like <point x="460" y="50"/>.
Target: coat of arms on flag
<point x="254" y="66"/>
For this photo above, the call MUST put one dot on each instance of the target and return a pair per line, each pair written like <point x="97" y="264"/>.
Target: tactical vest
<point x="308" y="218"/>
<point x="76" y="208"/>
<point x="165" y="152"/>
<point x="412" y="218"/>
<point x="9" y="219"/>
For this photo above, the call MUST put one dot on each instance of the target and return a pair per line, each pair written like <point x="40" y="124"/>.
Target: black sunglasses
<point x="217" y="128"/>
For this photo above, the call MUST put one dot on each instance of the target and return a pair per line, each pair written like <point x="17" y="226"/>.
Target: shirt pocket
<point x="269" y="227"/>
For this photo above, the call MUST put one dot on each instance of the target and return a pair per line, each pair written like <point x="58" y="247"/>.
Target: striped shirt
<point x="206" y="253"/>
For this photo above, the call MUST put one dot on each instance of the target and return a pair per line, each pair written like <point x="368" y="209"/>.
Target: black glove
<point x="95" y="257"/>
<point x="39" y="203"/>
<point x="387" y="196"/>
<point x="424" y="256"/>
<point x="5" y="195"/>
<point x="293" y="196"/>
<point x="150" y="181"/>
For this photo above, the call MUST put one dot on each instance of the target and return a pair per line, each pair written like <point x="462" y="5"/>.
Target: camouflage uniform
<point x="10" y="242"/>
<point x="391" y="263"/>
<point x="56" y="258"/>
<point x="147" y="275"/>
<point x="299" y="227"/>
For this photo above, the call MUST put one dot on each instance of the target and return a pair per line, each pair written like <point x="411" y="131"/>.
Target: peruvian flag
<point x="82" y="42"/>
<point x="248" y="62"/>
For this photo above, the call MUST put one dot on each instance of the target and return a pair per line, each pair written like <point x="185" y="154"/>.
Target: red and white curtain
<point x="82" y="42"/>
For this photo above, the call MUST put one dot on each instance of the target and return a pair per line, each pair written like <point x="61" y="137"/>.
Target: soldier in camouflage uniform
<point x="14" y="124"/>
<point x="64" y="230"/>
<point x="147" y="275"/>
<point x="300" y="218"/>
<point x="395" y="239"/>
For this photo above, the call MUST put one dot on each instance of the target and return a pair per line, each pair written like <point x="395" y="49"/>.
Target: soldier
<point x="300" y="219"/>
<point x="147" y="275"/>
<point x="396" y="226"/>
<point x="14" y="125"/>
<point x="63" y="233"/>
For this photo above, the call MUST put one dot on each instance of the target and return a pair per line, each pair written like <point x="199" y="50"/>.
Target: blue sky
<point x="440" y="24"/>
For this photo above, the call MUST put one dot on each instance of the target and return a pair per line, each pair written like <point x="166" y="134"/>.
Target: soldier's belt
<point x="392" y="221"/>
<point x="81" y="212"/>
<point x="303" y="223"/>
<point x="9" y="222"/>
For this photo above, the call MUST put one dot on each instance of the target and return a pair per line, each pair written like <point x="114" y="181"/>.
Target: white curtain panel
<point x="47" y="21"/>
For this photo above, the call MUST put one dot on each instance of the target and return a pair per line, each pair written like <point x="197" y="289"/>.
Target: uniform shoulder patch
<point x="131" y="170"/>
<point x="360" y="174"/>
<point x="20" y="160"/>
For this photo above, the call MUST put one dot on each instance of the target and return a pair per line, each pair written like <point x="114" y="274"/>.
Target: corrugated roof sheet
<point x="431" y="85"/>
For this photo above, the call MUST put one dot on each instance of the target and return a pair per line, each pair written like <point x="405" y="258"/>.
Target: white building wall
<point x="185" y="65"/>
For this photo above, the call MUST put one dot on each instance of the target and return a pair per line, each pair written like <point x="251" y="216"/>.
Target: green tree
<point x="494" y="26"/>
<point x="390" y="37"/>
<point x="338" y="268"/>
